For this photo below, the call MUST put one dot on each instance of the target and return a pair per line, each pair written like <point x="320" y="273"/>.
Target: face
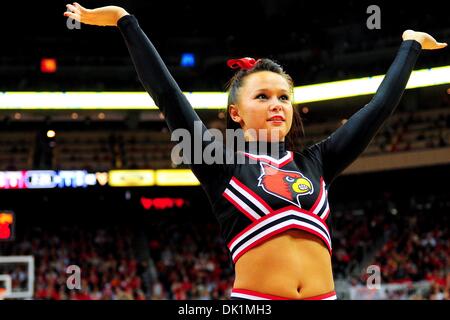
<point x="264" y="107"/>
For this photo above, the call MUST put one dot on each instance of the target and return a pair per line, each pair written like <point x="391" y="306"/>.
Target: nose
<point x="276" y="107"/>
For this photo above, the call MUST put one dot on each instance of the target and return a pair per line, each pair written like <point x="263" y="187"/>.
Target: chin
<point x="278" y="134"/>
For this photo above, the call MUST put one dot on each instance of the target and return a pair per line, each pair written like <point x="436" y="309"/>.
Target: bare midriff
<point x="294" y="264"/>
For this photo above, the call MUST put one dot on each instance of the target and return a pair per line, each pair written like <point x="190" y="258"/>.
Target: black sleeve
<point x="343" y="146"/>
<point x="177" y="111"/>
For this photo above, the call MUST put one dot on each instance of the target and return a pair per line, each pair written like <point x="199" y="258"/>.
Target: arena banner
<point x="131" y="178"/>
<point x="48" y="179"/>
<point x="179" y="177"/>
<point x="65" y="179"/>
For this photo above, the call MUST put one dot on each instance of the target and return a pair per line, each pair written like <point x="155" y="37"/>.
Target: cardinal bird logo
<point x="287" y="185"/>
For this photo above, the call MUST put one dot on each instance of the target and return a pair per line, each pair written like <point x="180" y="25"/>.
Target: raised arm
<point x="156" y="79"/>
<point x="153" y="73"/>
<point x="343" y="146"/>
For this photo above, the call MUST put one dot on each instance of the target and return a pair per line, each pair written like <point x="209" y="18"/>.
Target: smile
<point x="276" y="119"/>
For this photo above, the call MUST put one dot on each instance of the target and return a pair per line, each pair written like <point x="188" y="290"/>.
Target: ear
<point x="234" y="113"/>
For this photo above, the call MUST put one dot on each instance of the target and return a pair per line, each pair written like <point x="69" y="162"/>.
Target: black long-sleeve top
<point x="254" y="201"/>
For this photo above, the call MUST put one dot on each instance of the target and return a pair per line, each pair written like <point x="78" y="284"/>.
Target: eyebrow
<point x="266" y="89"/>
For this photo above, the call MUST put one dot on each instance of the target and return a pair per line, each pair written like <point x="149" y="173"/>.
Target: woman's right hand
<point x="103" y="16"/>
<point x="426" y="41"/>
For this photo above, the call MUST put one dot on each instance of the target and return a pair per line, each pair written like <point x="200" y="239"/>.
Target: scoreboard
<point x="7" y="221"/>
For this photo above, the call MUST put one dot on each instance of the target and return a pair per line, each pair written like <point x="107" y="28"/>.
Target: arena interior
<point x="87" y="179"/>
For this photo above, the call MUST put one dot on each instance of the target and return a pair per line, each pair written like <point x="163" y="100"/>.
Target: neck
<point x="275" y="149"/>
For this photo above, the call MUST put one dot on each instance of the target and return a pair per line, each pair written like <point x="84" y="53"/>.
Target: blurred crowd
<point x="109" y="269"/>
<point x="416" y="248"/>
<point x="188" y="259"/>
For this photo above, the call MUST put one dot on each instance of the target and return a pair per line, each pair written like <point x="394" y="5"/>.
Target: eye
<point x="261" y="96"/>
<point x="289" y="179"/>
<point x="284" y="97"/>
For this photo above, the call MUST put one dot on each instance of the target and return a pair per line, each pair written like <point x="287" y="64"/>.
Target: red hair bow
<point x="243" y="63"/>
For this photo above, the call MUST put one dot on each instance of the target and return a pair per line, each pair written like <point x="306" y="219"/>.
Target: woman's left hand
<point x="427" y="41"/>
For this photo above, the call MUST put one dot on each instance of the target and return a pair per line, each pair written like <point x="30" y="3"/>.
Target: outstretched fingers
<point x="73" y="9"/>
<point x="438" y="45"/>
<point x="72" y="15"/>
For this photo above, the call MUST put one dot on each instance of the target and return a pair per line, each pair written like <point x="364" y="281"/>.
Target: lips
<point x="276" y="118"/>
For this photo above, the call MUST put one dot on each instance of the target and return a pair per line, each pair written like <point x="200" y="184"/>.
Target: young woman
<point x="273" y="210"/>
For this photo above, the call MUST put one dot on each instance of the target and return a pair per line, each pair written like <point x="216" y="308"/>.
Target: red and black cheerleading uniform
<point x="254" y="201"/>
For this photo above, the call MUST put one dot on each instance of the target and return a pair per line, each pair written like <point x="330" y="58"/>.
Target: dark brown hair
<point x="293" y="138"/>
